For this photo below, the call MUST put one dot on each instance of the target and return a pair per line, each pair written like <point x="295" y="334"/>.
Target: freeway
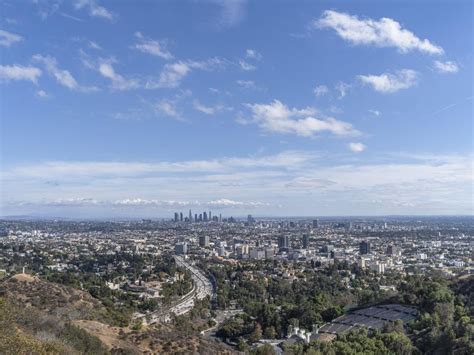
<point x="202" y="288"/>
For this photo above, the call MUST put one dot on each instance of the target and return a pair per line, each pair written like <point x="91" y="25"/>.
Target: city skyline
<point x="324" y="109"/>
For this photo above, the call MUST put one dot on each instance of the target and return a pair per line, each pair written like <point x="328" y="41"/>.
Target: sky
<point x="271" y="108"/>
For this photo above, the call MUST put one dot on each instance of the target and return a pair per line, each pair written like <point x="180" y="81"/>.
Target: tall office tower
<point x="195" y="217"/>
<point x="190" y="216"/>
<point x="204" y="241"/>
<point x="364" y="247"/>
<point x="250" y="219"/>
<point x="305" y="241"/>
<point x="210" y="216"/>
<point x="283" y="242"/>
<point x="205" y="216"/>
<point x="315" y="223"/>
<point x="176" y="217"/>
<point x="181" y="216"/>
<point x="181" y="248"/>
<point x="220" y="217"/>
<point x="200" y="217"/>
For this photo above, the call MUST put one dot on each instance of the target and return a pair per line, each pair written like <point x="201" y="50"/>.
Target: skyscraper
<point x="364" y="247"/>
<point x="204" y="241"/>
<point x="190" y="216"/>
<point x="315" y="223"/>
<point x="181" y="248"/>
<point x="283" y="242"/>
<point x="205" y="216"/>
<point x="181" y="216"/>
<point x="176" y="216"/>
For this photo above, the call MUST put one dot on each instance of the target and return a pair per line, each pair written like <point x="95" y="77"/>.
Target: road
<point x="202" y="287"/>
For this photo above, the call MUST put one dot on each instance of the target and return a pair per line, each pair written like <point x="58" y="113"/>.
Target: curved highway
<point x="202" y="287"/>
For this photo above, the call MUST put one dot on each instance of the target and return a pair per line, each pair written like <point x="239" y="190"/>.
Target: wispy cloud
<point x="63" y="77"/>
<point x="8" y="38"/>
<point x="253" y="54"/>
<point x="445" y="67"/>
<point x="173" y="73"/>
<point x="118" y="82"/>
<point x="42" y="94"/>
<point x="320" y="90"/>
<point x="210" y="110"/>
<point x="450" y="106"/>
<point x="246" y="65"/>
<point x="277" y="117"/>
<point x="248" y="84"/>
<point x="342" y="88"/>
<point x="391" y="83"/>
<point x="94" y="45"/>
<point x="385" y="32"/>
<point x="357" y="147"/>
<point x="94" y="9"/>
<point x="47" y="8"/>
<point x="19" y="72"/>
<point x="151" y="46"/>
<point x="168" y="108"/>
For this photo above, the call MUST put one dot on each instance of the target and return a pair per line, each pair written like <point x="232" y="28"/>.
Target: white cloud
<point x="253" y="54"/>
<point x="220" y="203"/>
<point x="63" y="77"/>
<point x="118" y="81"/>
<point x="173" y="73"/>
<point x="446" y="67"/>
<point x="210" y="110"/>
<point x="42" y="94"/>
<point x="171" y="76"/>
<point x="342" y="88"/>
<point x="385" y="32"/>
<point x="320" y="90"/>
<point x="19" y="72"/>
<point x="356" y="147"/>
<point x="168" y="108"/>
<point x="225" y="202"/>
<point x="47" y="8"/>
<point x="390" y="83"/>
<point x="153" y="47"/>
<point x="94" y="45"/>
<point x="94" y="9"/>
<point x="246" y="66"/>
<point x="277" y="117"/>
<point x="71" y="17"/>
<point x="8" y="38"/>
<point x="247" y="84"/>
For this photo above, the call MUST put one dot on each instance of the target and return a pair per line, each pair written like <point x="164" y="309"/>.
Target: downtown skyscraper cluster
<point x="201" y="217"/>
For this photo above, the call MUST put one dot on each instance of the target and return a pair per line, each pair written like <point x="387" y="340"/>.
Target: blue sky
<point x="300" y="108"/>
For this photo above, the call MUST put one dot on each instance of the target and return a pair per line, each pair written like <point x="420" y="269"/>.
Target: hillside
<point x="41" y="317"/>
